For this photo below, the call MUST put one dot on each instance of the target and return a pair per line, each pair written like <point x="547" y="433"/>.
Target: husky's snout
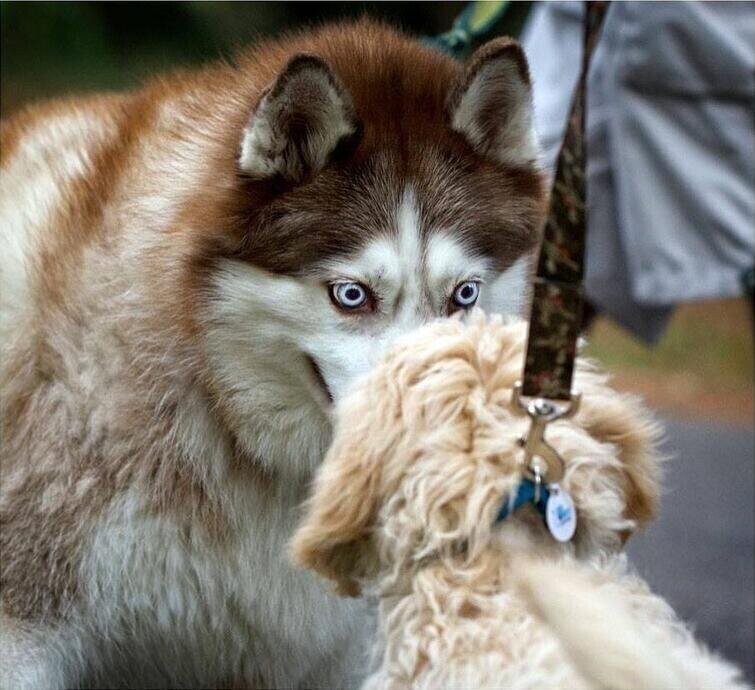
<point x="336" y="368"/>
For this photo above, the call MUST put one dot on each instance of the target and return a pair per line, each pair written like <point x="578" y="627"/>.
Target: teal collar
<point x="525" y="493"/>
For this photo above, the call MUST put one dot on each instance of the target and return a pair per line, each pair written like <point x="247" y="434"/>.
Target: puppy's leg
<point x="619" y="634"/>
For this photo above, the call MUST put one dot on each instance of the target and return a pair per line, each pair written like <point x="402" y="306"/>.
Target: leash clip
<point x="542" y="460"/>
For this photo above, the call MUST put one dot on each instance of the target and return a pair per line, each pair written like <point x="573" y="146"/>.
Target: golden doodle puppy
<point x="407" y="509"/>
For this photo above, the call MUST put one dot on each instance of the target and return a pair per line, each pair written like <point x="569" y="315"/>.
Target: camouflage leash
<point x="545" y="391"/>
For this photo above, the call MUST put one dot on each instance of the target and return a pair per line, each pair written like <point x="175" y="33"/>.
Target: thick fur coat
<point x="404" y="510"/>
<point x="189" y="274"/>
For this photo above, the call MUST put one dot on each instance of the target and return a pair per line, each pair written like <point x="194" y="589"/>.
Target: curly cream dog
<point x="404" y="509"/>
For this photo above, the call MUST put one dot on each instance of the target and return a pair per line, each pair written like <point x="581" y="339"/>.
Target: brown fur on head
<point x="425" y="452"/>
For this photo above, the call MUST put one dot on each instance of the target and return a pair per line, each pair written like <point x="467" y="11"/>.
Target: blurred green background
<point x="50" y="48"/>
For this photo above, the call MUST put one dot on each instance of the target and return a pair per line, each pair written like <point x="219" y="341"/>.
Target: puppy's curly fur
<point x="404" y="507"/>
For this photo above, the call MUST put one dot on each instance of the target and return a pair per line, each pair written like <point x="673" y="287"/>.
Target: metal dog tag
<point x="560" y="513"/>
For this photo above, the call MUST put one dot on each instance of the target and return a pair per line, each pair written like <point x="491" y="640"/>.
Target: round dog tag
<point x="560" y="514"/>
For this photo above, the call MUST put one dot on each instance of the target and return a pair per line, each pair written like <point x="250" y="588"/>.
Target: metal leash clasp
<point x="541" y="460"/>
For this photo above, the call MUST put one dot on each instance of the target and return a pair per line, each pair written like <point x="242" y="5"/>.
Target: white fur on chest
<point x="209" y="612"/>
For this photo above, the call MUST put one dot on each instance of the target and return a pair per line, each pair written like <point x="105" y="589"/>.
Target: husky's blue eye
<point x="349" y="296"/>
<point x="466" y="294"/>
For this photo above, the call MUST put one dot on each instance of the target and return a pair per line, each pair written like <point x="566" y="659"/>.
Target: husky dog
<point x="191" y="274"/>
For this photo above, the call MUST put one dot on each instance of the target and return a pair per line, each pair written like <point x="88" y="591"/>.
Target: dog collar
<point x="554" y="504"/>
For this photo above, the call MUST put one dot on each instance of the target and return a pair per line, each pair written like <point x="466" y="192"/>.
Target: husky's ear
<point x="298" y="122"/>
<point x="491" y="106"/>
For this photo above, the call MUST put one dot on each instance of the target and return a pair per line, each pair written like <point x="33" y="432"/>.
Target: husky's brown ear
<point x="333" y="538"/>
<point x="298" y="122"/>
<point x="491" y="106"/>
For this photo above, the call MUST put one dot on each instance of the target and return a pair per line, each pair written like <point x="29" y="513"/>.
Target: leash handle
<point x="556" y="313"/>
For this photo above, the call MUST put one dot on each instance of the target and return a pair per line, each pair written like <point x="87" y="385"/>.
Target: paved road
<point x="700" y="553"/>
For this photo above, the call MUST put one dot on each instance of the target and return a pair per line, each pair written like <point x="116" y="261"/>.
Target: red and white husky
<point x="190" y="273"/>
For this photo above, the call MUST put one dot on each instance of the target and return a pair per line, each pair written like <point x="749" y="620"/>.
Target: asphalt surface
<point x="700" y="553"/>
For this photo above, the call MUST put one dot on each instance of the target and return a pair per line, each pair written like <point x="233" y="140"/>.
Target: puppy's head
<point x="425" y="453"/>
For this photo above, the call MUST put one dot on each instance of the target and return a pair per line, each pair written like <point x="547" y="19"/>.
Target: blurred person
<point x="670" y="149"/>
